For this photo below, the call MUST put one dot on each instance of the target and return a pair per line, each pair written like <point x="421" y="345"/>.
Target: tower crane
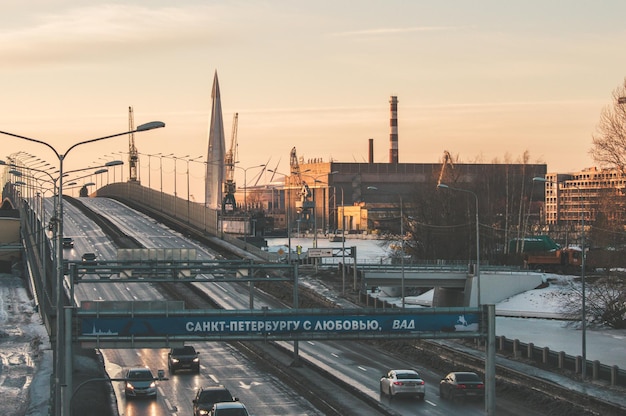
<point x="230" y="187"/>
<point x="133" y="156"/>
<point x="304" y="192"/>
<point x="447" y="160"/>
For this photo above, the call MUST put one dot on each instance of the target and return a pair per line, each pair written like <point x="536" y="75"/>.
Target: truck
<point x="543" y="253"/>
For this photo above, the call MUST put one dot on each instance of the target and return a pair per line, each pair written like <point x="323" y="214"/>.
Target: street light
<point x="373" y="188"/>
<point x="343" y="245"/>
<point x="583" y="370"/>
<point x="63" y="385"/>
<point x="245" y="183"/>
<point x="477" y="268"/>
<point x="245" y="201"/>
<point x="288" y="209"/>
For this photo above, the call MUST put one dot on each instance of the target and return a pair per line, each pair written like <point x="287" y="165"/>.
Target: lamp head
<point x="150" y="126"/>
<point x="442" y="186"/>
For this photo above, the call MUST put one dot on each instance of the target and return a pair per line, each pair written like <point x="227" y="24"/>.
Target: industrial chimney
<point x="371" y="151"/>
<point x="393" y="136"/>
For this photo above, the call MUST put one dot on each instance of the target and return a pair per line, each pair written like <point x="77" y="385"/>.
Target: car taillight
<point x="481" y="386"/>
<point x="398" y="383"/>
<point x="461" y="386"/>
<point x="422" y="382"/>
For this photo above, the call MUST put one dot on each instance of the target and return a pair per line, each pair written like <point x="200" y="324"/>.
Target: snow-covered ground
<point x="603" y="344"/>
<point x="25" y="352"/>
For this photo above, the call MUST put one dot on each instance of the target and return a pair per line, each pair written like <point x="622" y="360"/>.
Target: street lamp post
<point x="477" y="268"/>
<point x="343" y="246"/>
<point x="402" y="236"/>
<point x="288" y="209"/>
<point x="245" y="200"/>
<point x="490" y="370"/>
<point x="193" y="159"/>
<point x="63" y="380"/>
<point x="583" y="317"/>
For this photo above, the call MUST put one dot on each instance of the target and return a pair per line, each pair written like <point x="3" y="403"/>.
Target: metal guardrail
<point x="614" y="375"/>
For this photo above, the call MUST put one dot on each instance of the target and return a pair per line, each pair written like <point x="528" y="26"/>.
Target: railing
<point x="543" y="356"/>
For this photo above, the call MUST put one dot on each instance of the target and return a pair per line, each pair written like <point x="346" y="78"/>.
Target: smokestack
<point x="371" y="151"/>
<point x="393" y="136"/>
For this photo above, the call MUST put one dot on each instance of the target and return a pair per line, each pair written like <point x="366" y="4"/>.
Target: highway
<point x="353" y="362"/>
<point x="220" y="363"/>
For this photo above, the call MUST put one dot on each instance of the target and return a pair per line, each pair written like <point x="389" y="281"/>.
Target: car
<point x="68" y="242"/>
<point x="402" y="383"/>
<point x="206" y="397"/>
<point x="229" y="409"/>
<point x="139" y="383"/>
<point x="183" y="358"/>
<point x="461" y="384"/>
<point x="89" y="258"/>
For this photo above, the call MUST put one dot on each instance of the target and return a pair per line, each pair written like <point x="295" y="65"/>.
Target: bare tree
<point x="609" y="141"/>
<point x="605" y="302"/>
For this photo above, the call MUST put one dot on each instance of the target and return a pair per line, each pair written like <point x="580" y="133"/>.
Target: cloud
<point x="399" y="30"/>
<point x="89" y="32"/>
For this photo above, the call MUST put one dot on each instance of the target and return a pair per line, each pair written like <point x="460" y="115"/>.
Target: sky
<point x="485" y="80"/>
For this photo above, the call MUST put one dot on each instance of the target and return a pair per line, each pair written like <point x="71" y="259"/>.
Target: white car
<point x="402" y="382"/>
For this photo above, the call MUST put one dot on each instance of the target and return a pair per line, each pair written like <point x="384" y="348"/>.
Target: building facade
<point x="582" y="196"/>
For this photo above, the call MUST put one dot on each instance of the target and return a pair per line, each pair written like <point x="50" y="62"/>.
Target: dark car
<point x="229" y="409"/>
<point x="184" y="358"/>
<point x="68" y="242"/>
<point x="206" y="397"/>
<point x="89" y="259"/>
<point x="140" y="383"/>
<point x="461" y="384"/>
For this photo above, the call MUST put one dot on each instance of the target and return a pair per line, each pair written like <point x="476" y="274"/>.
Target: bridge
<point x="199" y="221"/>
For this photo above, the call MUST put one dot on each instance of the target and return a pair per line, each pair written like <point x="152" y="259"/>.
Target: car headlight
<point x="175" y="360"/>
<point x="129" y="386"/>
<point x="195" y="360"/>
<point x="152" y="385"/>
<point x="204" y="412"/>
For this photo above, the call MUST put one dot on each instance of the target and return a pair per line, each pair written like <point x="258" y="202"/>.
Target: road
<point x="351" y="361"/>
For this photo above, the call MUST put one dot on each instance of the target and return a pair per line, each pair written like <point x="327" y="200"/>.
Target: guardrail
<point x="545" y="357"/>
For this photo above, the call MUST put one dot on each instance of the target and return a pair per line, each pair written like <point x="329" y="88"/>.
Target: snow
<point x="24" y="350"/>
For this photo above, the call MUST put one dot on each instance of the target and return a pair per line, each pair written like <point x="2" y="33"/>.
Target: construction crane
<point x="230" y="187"/>
<point x="447" y="160"/>
<point x="133" y="156"/>
<point x="304" y="192"/>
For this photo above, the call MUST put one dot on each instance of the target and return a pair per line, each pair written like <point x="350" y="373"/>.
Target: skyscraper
<point x="214" y="178"/>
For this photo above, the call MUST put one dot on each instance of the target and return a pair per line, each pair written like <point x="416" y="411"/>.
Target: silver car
<point x="402" y="382"/>
<point x="140" y="383"/>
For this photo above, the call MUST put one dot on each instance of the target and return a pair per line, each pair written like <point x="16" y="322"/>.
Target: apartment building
<point x="583" y="196"/>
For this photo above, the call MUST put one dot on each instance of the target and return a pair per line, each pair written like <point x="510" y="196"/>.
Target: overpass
<point x="454" y="286"/>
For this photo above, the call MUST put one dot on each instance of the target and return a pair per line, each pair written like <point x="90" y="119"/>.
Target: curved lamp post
<point x="583" y="323"/>
<point x="373" y="188"/>
<point x="63" y="385"/>
<point x="477" y="268"/>
<point x="245" y="201"/>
